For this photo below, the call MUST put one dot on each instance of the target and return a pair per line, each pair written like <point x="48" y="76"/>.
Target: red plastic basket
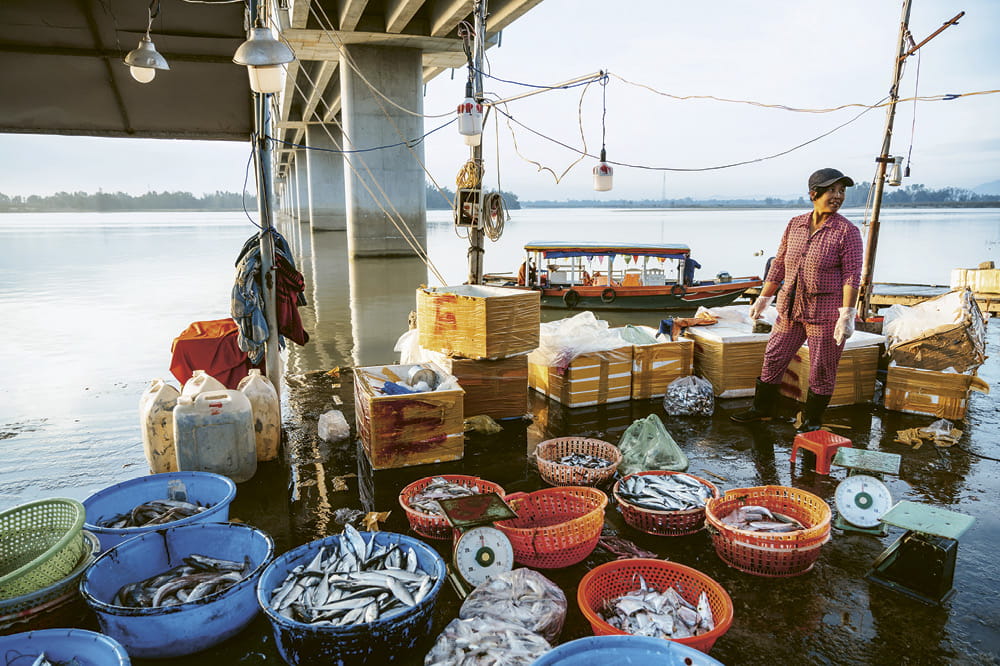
<point x="770" y="554"/>
<point x="663" y="523"/>
<point x="554" y="474"/>
<point x="432" y="525"/>
<point x="555" y="527"/>
<point x="615" y="579"/>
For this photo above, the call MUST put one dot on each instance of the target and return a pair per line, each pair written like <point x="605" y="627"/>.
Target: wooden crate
<point x="593" y="378"/>
<point x="478" y="322"/>
<point x="944" y="395"/>
<point x="855" y="376"/>
<point x="728" y="356"/>
<point x="496" y="388"/>
<point x="655" y="366"/>
<point x="405" y="430"/>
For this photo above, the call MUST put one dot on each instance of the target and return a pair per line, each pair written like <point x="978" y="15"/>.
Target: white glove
<point x="759" y="305"/>
<point x="845" y="325"/>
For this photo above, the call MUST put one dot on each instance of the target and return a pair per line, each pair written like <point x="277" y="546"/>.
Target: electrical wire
<point x="246" y="179"/>
<point x="470" y="175"/>
<point x="410" y="142"/>
<point x="913" y="123"/>
<point x="494" y="215"/>
<point x="538" y="86"/>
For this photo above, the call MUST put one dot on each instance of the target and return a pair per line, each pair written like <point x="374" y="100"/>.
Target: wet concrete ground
<point x="830" y="615"/>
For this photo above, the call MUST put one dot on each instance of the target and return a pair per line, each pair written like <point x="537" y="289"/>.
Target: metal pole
<point x="476" y="234"/>
<point x="265" y="201"/>
<point x="864" y="293"/>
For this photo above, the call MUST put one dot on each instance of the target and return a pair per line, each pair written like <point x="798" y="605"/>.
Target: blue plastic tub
<point x="212" y="490"/>
<point x="89" y="647"/>
<point x="623" y="650"/>
<point x="376" y="642"/>
<point x="173" y="631"/>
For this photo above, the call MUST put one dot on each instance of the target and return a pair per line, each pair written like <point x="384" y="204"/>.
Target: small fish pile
<point x="583" y="460"/>
<point x="646" y="612"/>
<point x="197" y="578"/>
<point x="761" y="519"/>
<point x="689" y="396"/>
<point x="668" y="492"/>
<point x="523" y="597"/>
<point x="439" y="488"/>
<point x="352" y="582"/>
<point x="156" y="512"/>
<point x="40" y="660"/>
<point x="487" y="641"/>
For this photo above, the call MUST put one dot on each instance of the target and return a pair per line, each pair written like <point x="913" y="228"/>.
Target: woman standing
<point x="816" y="274"/>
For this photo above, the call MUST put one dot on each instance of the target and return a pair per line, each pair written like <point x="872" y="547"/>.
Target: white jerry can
<point x="213" y="432"/>
<point x="266" y="413"/>
<point x="199" y="382"/>
<point x="156" y="419"/>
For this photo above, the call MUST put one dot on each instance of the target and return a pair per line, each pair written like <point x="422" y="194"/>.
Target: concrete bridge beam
<point x="327" y="204"/>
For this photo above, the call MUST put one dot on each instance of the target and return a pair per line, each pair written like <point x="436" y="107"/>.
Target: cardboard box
<point x="944" y="395"/>
<point x="496" y="388"/>
<point x="405" y="430"/>
<point x="855" y="373"/>
<point x="950" y="333"/>
<point x="655" y="366"/>
<point x="730" y="356"/>
<point x="979" y="280"/>
<point x="592" y="378"/>
<point x="477" y="322"/>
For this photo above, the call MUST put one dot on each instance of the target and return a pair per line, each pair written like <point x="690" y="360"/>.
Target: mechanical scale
<point x="481" y="551"/>
<point x="862" y="498"/>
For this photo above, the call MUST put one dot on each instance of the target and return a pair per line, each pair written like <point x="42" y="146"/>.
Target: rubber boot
<point x="812" y="415"/>
<point x="764" y="398"/>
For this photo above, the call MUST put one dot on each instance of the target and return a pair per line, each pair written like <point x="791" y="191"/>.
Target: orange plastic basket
<point x="770" y="554"/>
<point x="554" y="474"/>
<point x="663" y="523"/>
<point x="555" y="527"/>
<point x="431" y="525"/>
<point x="603" y="584"/>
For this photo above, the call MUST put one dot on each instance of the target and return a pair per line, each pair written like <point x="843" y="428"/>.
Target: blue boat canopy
<point x="589" y="249"/>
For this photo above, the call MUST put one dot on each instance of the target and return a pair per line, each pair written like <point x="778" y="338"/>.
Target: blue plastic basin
<point x="176" y="630"/>
<point x="212" y="490"/>
<point x="89" y="647"/>
<point x="623" y="650"/>
<point x="375" y="642"/>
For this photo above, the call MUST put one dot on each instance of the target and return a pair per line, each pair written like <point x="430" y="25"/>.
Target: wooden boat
<point x="639" y="281"/>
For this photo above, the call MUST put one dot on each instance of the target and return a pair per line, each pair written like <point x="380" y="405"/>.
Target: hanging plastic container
<point x="266" y="413"/>
<point x="470" y="119"/>
<point x="213" y="432"/>
<point x="156" y="419"/>
<point x="603" y="174"/>
<point x="200" y="382"/>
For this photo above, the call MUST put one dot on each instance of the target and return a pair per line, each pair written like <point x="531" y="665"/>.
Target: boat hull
<point x="645" y="298"/>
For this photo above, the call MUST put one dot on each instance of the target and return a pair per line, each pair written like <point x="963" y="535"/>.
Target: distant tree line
<point x="435" y="200"/>
<point x="120" y="201"/>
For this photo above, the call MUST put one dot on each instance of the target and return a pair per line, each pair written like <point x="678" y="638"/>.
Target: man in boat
<point x="689" y="267"/>
<point x="816" y="274"/>
<point x="526" y="271"/>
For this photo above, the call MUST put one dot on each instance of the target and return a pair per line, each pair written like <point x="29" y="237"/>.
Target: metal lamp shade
<point x="263" y="56"/>
<point x="145" y="55"/>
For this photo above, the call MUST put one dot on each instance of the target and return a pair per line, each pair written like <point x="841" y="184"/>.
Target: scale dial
<point x="862" y="500"/>
<point x="482" y="553"/>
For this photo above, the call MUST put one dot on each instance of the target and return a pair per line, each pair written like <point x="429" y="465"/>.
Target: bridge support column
<point x="389" y="176"/>
<point x="327" y="210"/>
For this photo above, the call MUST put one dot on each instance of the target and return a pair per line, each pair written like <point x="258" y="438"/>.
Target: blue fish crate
<point x="214" y="491"/>
<point x="173" y="631"/>
<point x="624" y="650"/>
<point x="377" y="642"/>
<point x="89" y="648"/>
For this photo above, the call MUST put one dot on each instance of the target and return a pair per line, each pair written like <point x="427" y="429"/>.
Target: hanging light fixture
<point x="603" y="173"/>
<point x="263" y="56"/>
<point x="144" y="60"/>
<point x="470" y="118"/>
<point x="896" y="175"/>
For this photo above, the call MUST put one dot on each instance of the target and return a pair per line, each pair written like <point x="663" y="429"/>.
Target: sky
<point x="798" y="53"/>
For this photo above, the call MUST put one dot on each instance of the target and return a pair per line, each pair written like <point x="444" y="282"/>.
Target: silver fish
<point x="760" y="519"/>
<point x="667" y="614"/>
<point x="583" y="460"/>
<point x="672" y="492"/>
<point x="156" y="512"/>
<point x="426" y="499"/>
<point x="200" y="576"/>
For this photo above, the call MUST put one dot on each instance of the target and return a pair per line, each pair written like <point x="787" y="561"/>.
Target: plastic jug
<point x="213" y="432"/>
<point x="266" y="413"/>
<point x="156" y="419"/>
<point x="200" y="382"/>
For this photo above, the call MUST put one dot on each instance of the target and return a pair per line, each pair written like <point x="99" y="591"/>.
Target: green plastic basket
<point x="40" y="543"/>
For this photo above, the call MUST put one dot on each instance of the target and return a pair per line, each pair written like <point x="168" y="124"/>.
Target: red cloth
<point x="290" y="285"/>
<point x="210" y="346"/>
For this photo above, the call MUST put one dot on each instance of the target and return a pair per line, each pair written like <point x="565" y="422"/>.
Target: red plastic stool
<point x="823" y="443"/>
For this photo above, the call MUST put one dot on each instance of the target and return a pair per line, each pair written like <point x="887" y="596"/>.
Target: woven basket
<point x="615" y="579"/>
<point x="40" y="543"/>
<point x="663" y="523"/>
<point x="434" y="526"/>
<point x="555" y="527"/>
<point x="92" y="548"/>
<point x="555" y="474"/>
<point x="767" y="554"/>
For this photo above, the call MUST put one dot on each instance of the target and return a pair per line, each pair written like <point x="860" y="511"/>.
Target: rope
<point x="494" y="215"/>
<point x="470" y="175"/>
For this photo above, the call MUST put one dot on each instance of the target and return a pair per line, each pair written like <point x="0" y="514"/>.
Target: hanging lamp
<point x="470" y="118"/>
<point x="263" y="56"/>
<point x="896" y="175"/>
<point x="144" y="60"/>
<point x="603" y="173"/>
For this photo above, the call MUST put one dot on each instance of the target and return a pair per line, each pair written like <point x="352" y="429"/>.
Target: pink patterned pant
<point x="824" y="354"/>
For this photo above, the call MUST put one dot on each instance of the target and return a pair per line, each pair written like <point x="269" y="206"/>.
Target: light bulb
<point x="142" y="74"/>
<point x="266" y="78"/>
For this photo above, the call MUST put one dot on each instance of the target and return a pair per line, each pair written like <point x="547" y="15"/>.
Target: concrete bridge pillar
<point x="327" y="210"/>
<point x="391" y="173"/>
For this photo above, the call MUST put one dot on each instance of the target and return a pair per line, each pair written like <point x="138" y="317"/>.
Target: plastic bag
<point x="491" y="641"/>
<point x="522" y="596"/>
<point x="647" y="445"/>
<point x="561" y="341"/>
<point x="333" y="426"/>
<point x="689" y="396"/>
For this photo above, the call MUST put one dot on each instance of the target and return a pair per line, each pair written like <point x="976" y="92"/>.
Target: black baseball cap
<point x="827" y="177"/>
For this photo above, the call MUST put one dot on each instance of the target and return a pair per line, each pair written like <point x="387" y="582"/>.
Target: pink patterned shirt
<point x="815" y="269"/>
